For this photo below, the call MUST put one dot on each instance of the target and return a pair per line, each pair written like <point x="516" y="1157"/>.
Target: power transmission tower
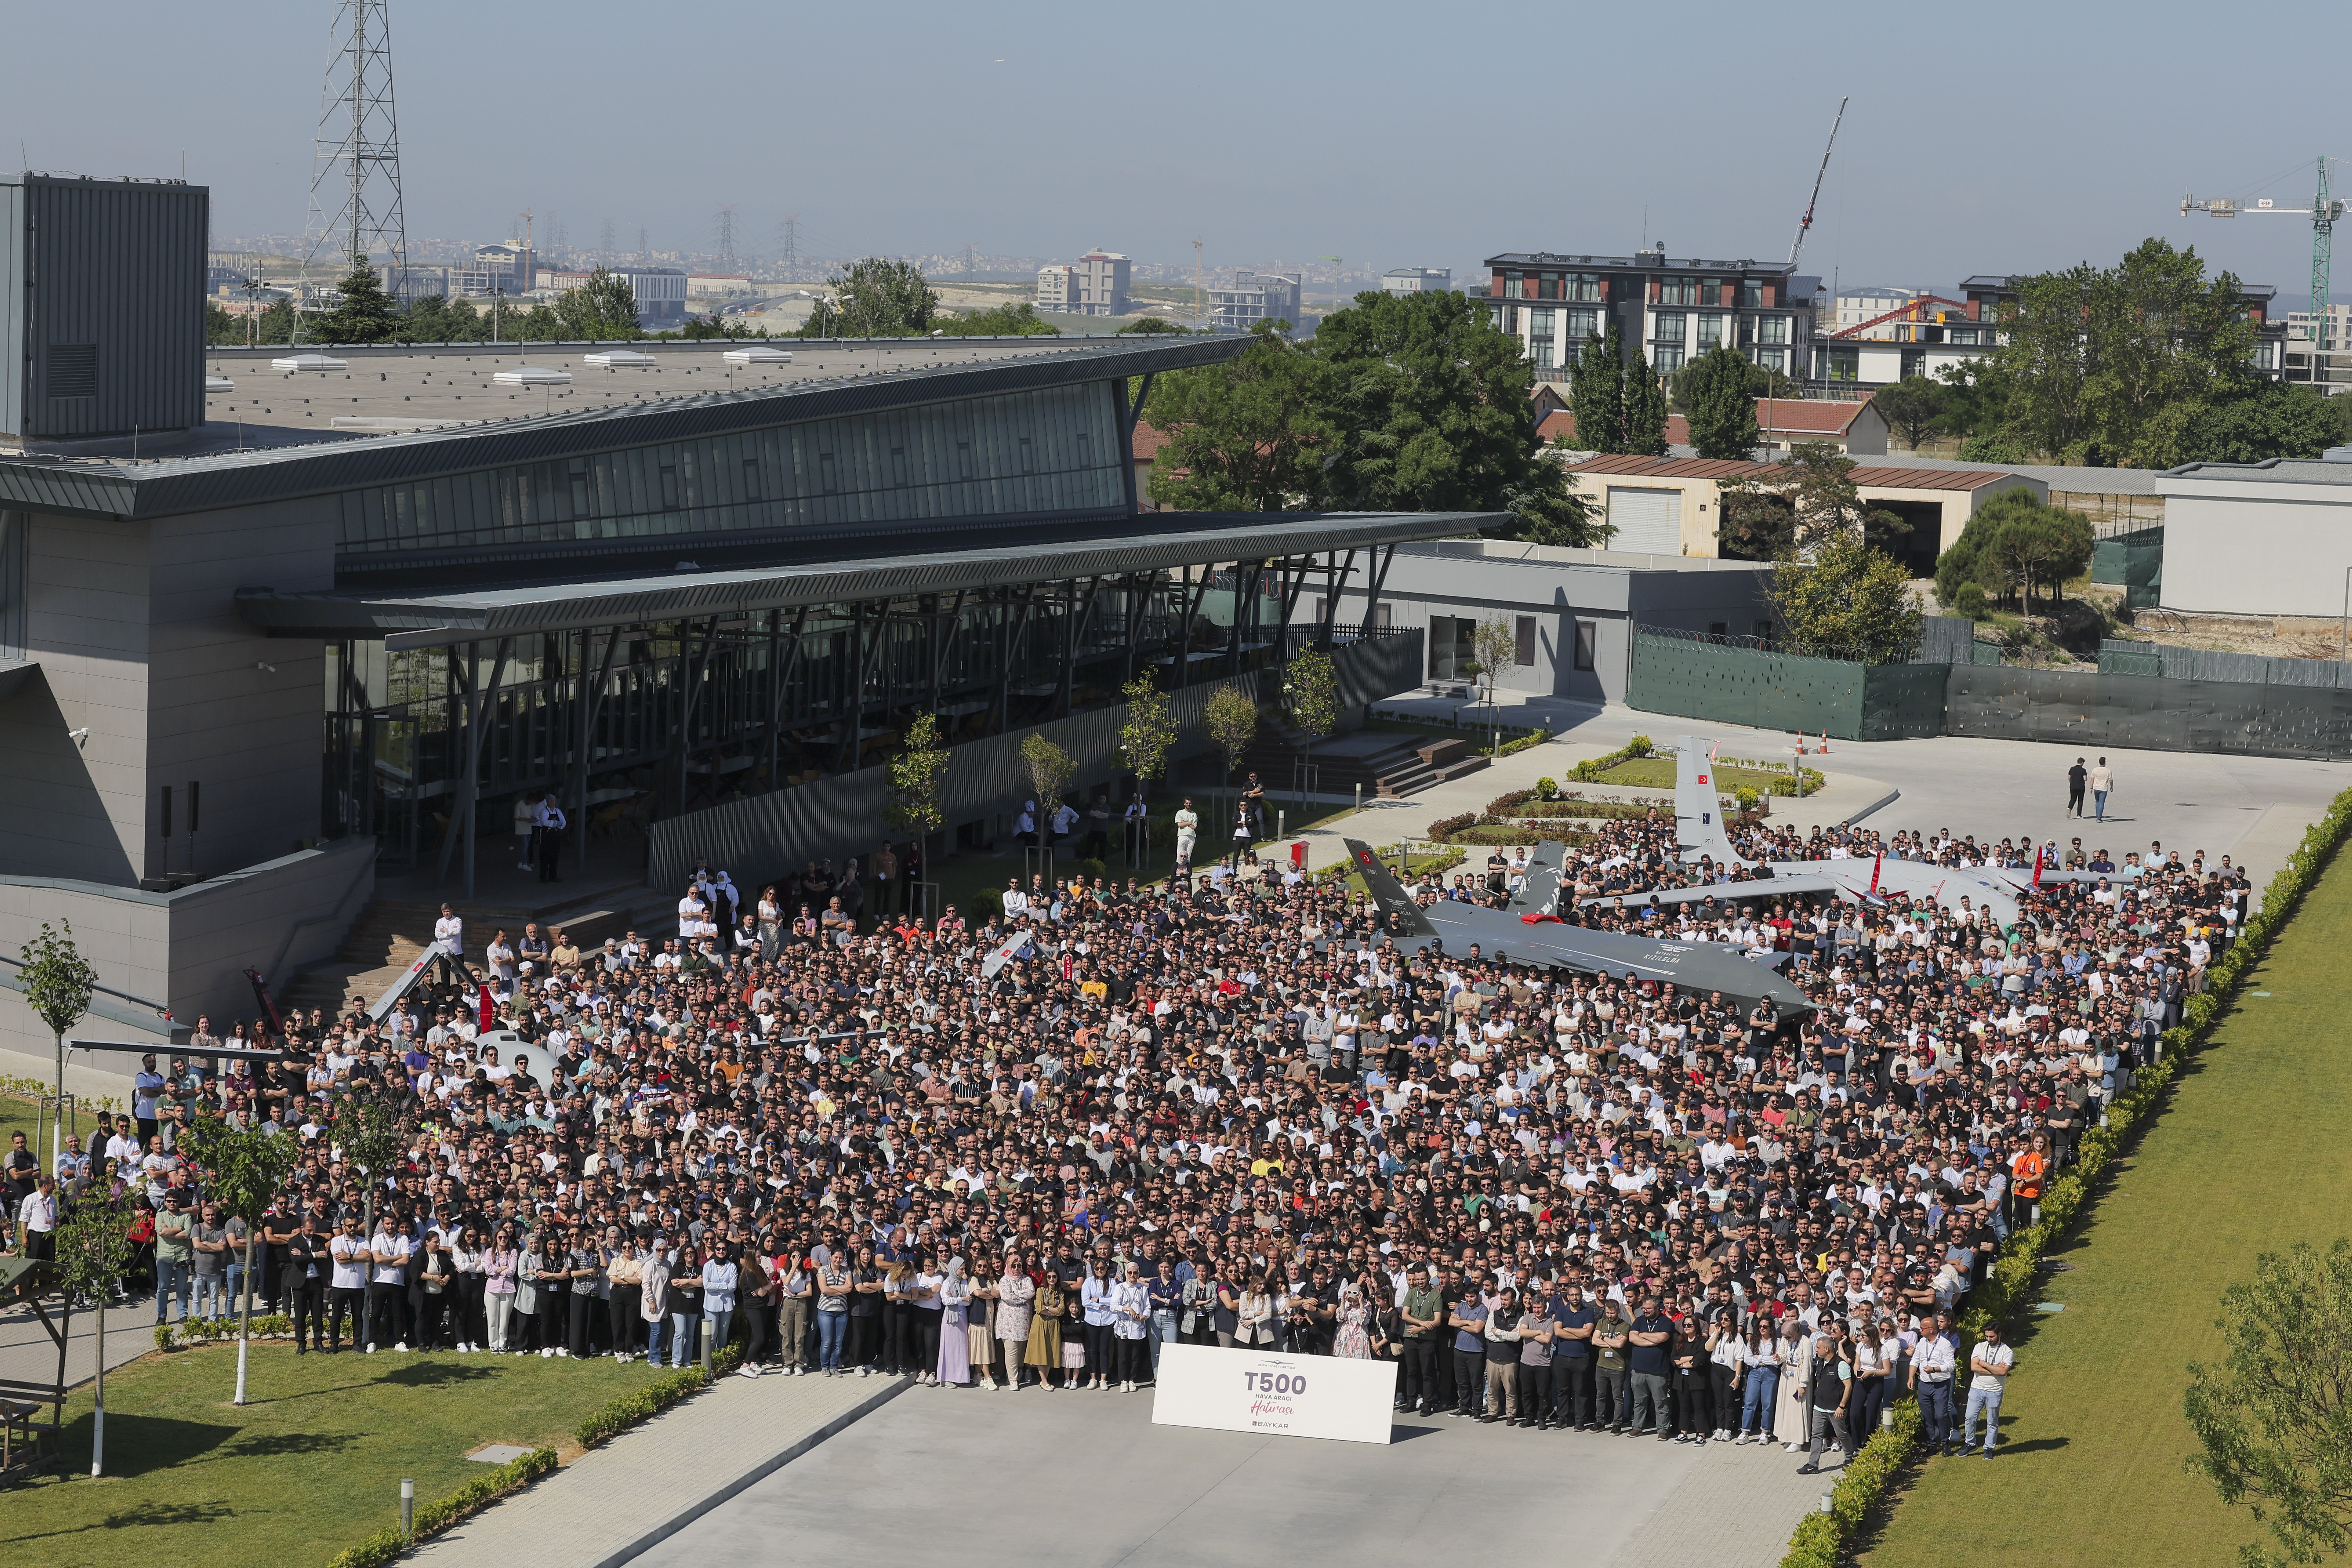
<point x="604" y="247"/>
<point x="355" y="204"/>
<point x="644" y="251"/>
<point x="789" y="260"/>
<point x="1197" y="278"/>
<point x="967" y="267"/>
<point x="726" y="238"/>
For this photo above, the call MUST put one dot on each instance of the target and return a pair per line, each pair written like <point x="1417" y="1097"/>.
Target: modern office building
<point x="1098" y="283"/>
<point x="1256" y="297"/>
<point x="1672" y="310"/>
<point x="1056" y="289"/>
<point x="309" y="659"/>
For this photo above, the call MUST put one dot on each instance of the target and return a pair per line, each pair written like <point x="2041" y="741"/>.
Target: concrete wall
<point x="187" y="949"/>
<point x="2255" y="548"/>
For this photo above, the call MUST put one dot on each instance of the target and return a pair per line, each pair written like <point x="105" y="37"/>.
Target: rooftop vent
<point x="757" y="356"/>
<point x="617" y="359"/>
<point x="309" y="362"/>
<point x="532" y="375"/>
<point x="219" y="384"/>
<point x="2336" y="455"/>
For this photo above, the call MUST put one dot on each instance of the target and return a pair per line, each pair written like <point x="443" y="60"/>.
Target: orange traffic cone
<point x="1825" y="742"/>
<point x="1800" y="742"/>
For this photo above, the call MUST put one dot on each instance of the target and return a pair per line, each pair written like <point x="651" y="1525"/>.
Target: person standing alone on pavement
<point x="2075" y="776"/>
<point x="2101" y="780"/>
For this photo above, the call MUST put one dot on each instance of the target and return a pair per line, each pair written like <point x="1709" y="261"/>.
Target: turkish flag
<point x="488" y="1011"/>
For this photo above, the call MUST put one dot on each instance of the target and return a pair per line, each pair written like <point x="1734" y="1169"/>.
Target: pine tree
<point x="1645" y="410"/>
<point x="367" y="315"/>
<point x="1596" y="391"/>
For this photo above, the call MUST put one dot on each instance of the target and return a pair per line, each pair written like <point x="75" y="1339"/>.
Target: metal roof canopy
<point x="153" y="490"/>
<point x="440" y="620"/>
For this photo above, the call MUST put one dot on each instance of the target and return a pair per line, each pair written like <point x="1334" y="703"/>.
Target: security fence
<point x="2120" y="656"/>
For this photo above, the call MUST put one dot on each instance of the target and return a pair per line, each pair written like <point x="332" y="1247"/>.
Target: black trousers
<point x="473" y="1329"/>
<point x="583" y="1312"/>
<point x="627" y="1319"/>
<point x="387" y="1313"/>
<point x="1420" y="1372"/>
<point x="304" y="1305"/>
<point x="1469" y="1380"/>
<point x="897" y="1336"/>
<point x="1694" y="1399"/>
<point x="346" y="1302"/>
<point x="435" y="1319"/>
<point x="1571" y="1388"/>
<point x="1535" y="1393"/>
<point x="925" y="1340"/>
<point x="1134" y="1360"/>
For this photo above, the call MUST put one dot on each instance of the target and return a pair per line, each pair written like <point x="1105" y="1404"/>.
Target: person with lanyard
<point x="1166" y="1296"/>
<point x="1990" y="1365"/>
<point x="1573" y="1322"/>
<point x="1647" y="1355"/>
<point x="146" y="1085"/>
<point x="1932" y="1365"/>
<point x="1422" y="1313"/>
<point x="304" y="1284"/>
<point x="1829" y="1387"/>
<point x="347" y="1285"/>
<point x="1468" y="1321"/>
<point x="387" y="1286"/>
<point x="37" y="1219"/>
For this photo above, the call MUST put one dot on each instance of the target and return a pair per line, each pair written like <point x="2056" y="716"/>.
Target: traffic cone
<point x="1800" y="742"/>
<point x="1825" y="742"/>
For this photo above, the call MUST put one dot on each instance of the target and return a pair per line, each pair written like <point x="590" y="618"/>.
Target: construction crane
<point x="1806" y="222"/>
<point x="2323" y="212"/>
<point x="1906" y="309"/>
<point x="1338" y="282"/>
<point x="1196" y="285"/>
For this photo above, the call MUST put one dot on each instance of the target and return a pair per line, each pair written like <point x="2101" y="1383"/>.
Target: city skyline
<point x="1356" y="140"/>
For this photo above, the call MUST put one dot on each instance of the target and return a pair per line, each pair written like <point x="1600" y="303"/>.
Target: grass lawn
<point x="1658" y="773"/>
<point x="310" y="1466"/>
<point x="24" y="1116"/>
<point x="2249" y="1157"/>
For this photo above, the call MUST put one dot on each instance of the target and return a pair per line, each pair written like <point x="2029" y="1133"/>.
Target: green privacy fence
<point x="2133" y="561"/>
<point x="1698" y="676"/>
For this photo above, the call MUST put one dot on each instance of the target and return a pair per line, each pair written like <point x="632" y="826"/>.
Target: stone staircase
<point x="390" y="934"/>
<point x="1387" y="766"/>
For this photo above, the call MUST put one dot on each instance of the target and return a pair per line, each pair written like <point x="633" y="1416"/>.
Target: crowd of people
<point x="1226" y="1109"/>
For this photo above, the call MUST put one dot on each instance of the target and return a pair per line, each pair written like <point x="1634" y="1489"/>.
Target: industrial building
<point x="1417" y="279"/>
<point x="660" y="291"/>
<point x="2262" y="538"/>
<point x="308" y="657"/>
<point x="1573" y="611"/>
<point x="1673" y="311"/>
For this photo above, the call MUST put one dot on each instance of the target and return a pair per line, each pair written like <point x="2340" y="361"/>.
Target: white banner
<point x="1260" y="1390"/>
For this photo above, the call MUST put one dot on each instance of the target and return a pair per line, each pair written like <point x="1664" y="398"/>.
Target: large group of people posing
<point x="1226" y="1110"/>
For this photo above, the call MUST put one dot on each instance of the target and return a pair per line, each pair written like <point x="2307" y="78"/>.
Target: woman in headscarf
<point x="1014" y="1291"/>
<point x="955" y="1346"/>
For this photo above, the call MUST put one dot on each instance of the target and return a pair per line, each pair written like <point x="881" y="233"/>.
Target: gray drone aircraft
<point x="1528" y="932"/>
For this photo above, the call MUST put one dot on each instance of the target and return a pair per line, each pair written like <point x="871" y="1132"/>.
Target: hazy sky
<point x="1991" y="136"/>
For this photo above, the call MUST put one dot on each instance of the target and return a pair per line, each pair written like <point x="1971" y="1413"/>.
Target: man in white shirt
<point x="1990" y="1365"/>
<point x="387" y="1286"/>
<point x="1931" y="1376"/>
<point x="450" y="930"/>
<point x="549" y="818"/>
<point x="347" y="1286"/>
<point x="691" y="910"/>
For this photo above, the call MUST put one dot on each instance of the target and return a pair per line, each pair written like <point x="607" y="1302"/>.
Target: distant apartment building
<point x="717" y="285"/>
<point x="1055" y="290"/>
<point x="2327" y="361"/>
<point x="661" y="291"/>
<point x="1972" y="327"/>
<point x="1256" y="297"/>
<point x="1417" y="279"/>
<point x="1098" y="283"/>
<point x="496" y="270"/>
<point x="1672" y="310"/>
<point x="1856" y="308"/>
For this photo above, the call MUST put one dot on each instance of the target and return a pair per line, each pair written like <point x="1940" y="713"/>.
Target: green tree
<point x="275" y="324"/>
<point x="366" y="313"/>
<point x="1429" y="409"/>
<point x="1310" y="693"/>
<point x="366" y="1126"/>
<point x="604" y="307"/>
<point x="1240" y="434"/>
<point x="2264" y="419"/>
<point x="1230" y="715"/>
<point x="221" y="329"/>
<point x="874" y="298"/>
<point x="1596" y="394"/>
<point x="1148" y="734"/>
<point x="2274" y="1422"/>
<point x="93" y="1248"/>
<point x="244" y="1168"/>
<point x="1049" y="769"/>
<point x="917" y="775"/>
<point x="1717" y="399"/>
<point x="1912" y="407"/>
<point x="2013" y="544"/>
<point x="1152" y="324"/>
<point x="1021" y="321"/>
<point x="1793" y="506"/>
<point x="1845" y="600"/>
<point x="1645" y="409"/>
<point x="1495" y="645"/>
<point x="59" y="982"/>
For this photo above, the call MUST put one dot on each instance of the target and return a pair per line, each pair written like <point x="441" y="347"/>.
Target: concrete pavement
<point x="1079" y="1479"/>
<point x="2253" y="808"/>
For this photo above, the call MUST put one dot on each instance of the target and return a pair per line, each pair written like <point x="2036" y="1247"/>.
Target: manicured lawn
<point x="2250" y="1157"/>
<point x="312" y="1465"/>
<point x="1658" y="773"/>
<point x="24" y="1116"/>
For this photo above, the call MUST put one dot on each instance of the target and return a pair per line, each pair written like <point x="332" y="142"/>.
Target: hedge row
<point x="1820" y="1539"/>
<point x="197" y="1330"/>
<point x="432" y="1518"/>
<point x="623" y="1411"/>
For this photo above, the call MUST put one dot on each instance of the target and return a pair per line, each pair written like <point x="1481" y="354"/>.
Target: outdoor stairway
<point x="390" y="934"/>
<point x="1387" y="766"/>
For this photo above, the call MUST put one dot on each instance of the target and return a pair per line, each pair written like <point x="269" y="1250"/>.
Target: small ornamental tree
<point x="366" y="1128"/>
<point x="59" y="982"/>
<point x="93" y="1248"/>
<point x="1310" y="690"/>
<point x="1495" y="645"/>
<point x="244" y="1168"/>
<point x="917" y="775"/>
<point x="1049" y="769"/>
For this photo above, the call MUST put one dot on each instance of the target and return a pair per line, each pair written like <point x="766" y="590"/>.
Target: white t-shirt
<point x="1999" y="1356"/>
<point x="350" y="1263"/>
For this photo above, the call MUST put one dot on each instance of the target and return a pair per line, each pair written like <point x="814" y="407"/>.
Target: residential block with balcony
<point x="1671" y="309"/>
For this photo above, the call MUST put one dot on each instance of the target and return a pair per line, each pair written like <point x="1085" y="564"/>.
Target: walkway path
<point x="607" y="1507"/>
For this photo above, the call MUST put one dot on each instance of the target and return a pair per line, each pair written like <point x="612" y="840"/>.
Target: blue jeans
<point x="212" y="1296"/>
<point x="1756" y="1404"/>
<point x="653" y="1341"/>
<point x="831" y="1327"/>
<point x="719" y="1321"/>
<point x="681" y="1336"/>
<point x="1988" y="1401"/>
<point x="1164" y="1333"/>
<point x="2099" y="810"/>
<point x="172" y="1279"/>
<point x="235" y="1280"/>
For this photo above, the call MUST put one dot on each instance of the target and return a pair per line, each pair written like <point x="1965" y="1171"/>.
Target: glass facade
<point x="1056" y="450"/>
